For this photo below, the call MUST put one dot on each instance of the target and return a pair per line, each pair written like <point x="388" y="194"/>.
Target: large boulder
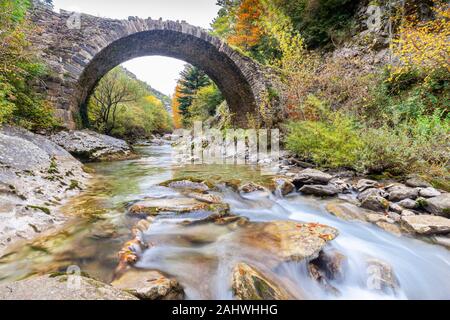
<point x="427" y="224"/>
<point x="36" y="175"/>
<point x="248" y="283"/>
<point x="88" y="145"/>
<point x="149" y="285"/>
<point x="61" y="287"/>
<point x="287" y="240"/>
<point x="311" y="176"/>
<point x="438" y="205"/>
<point x="320" y="190"/>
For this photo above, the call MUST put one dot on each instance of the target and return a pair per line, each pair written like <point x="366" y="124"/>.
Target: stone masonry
<point x="80" y="49"/>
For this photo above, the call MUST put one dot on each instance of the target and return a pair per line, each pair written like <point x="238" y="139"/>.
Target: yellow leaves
<point x="153" y="101"/>
<point x="326" y="237"/>
<point x="177" y="121"/>
<point x="423" y="45"/>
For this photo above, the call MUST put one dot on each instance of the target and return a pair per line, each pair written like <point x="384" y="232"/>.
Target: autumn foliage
<point x="424" y="46"/>
<point x="247" y="31"/>
<point x="175" y="108"/>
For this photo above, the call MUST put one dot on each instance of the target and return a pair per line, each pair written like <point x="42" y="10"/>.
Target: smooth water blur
<point x="202" y="256"/>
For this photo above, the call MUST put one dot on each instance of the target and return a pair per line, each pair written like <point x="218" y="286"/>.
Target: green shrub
<point x="20" y="71"/>
<point x="421" y="145"/>
<point x="331" y="143"/>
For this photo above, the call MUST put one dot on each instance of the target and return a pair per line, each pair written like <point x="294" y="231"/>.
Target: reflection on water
<point x="201" y="256"/>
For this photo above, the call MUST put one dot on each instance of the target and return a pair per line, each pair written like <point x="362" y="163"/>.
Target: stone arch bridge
<point x="80" y="49"/>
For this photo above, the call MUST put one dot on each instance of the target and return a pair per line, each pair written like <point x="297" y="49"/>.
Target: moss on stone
<point x="43" y="209"/>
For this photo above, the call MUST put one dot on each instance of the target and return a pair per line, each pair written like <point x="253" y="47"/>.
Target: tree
<point x="20" y="71"/>
<point x="247" y="31"/>
<point x="192" y="79"/>
<point x="176" y="108"/>
<point x="113" y="91"/>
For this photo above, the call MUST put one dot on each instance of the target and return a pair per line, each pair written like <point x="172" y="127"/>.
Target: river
<point x="201" y="257"/>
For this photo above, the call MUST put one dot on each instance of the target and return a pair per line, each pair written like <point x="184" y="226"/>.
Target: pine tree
<point x="191" y="80"/>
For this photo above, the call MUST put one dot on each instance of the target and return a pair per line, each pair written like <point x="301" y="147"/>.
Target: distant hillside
<point x="166" y="100"/>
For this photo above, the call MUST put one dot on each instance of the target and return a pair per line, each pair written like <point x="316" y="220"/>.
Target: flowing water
<point x="202" y="256"/>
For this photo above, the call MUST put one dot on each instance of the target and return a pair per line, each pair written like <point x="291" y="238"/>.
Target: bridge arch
<point x="81" y="56"/>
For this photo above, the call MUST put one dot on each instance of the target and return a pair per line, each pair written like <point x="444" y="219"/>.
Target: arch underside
<point x="219" y="66"/>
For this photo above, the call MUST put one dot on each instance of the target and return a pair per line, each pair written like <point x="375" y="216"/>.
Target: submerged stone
<point x="157" y="206"/>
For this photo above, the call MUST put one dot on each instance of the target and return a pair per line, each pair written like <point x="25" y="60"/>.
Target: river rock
<point x="61" y="288"/>
<point x="441" y="240"/>
<point x="395" y="207"/>
<point x="427" y="224"/>
<point x="375" y="203"/>
<point x="288" y="240"/>
<point x="416" y="182"/>
<point x="36" y="176"/>
<point x="319" y="276"/>
<point x="365" y="184"/>
<point x="408" y="204"/>
<point x="394" y="216"/>
<point x="439" y="205"/>
<point x="429" y="192"/>
<point x="311" y="176"/>
<point x="207" y="198"/>
<point x="374" y="218"/>
<point x="332" y="264"/>
<point x="347" y="211"/>
<point x="251" y="187"/>
<point x="283" y="186"/>
<point x="371" y="192"/>
<point x="399" y="192"/>
<point x="248" y="283"/>
<point x="407" y="213"/>
<point x="342" y="185"/>
<point x="320" y="190"/>
<point x="149" y="285"/>
<point x="165" y="205"/>
<point x="390" y="227"/>
<point x="187" y="185"/>
<point x="88" y="145"/>
<point x="381" y="276"/>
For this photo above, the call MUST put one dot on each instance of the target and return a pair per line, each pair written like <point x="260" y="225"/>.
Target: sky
<point x="160" y="72"/>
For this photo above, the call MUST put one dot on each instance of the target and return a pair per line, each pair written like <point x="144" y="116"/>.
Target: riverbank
<point x="153" y="219"/>
<point x="38" y="174"/>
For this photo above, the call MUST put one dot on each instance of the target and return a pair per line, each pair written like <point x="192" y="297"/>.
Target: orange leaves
<point x="247" y="32"/>
<point x="326" y="237"/>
